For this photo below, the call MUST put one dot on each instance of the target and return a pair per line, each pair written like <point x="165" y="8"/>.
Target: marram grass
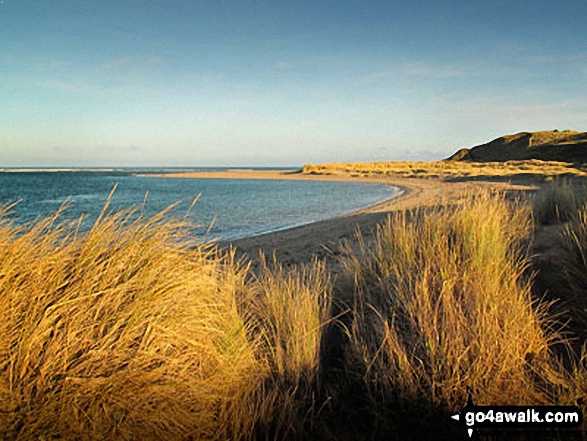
<point x="120" y="333"/>
<point x="288" y="312"/>
<point x="559" y="202"/>
<point x="442" y="307"/>
<point x="132" y="330"/>
<point x="448" y="169"/>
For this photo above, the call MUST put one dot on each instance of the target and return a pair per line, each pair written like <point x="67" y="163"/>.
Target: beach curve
<point x="322" y="239"/>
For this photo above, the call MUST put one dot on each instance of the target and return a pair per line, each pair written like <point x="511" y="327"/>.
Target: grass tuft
<point x="127" y="331"/>
<point x="558" y="202"/>
<point x="288" y="311"/>
<point x="573" y="267"/>
<point x="441" y="306"/>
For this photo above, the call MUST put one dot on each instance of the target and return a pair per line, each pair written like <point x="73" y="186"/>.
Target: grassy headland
<point x="537" y="154"/>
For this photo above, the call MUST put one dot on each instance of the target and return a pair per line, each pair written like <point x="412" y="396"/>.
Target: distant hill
<point x="565" y="146"/>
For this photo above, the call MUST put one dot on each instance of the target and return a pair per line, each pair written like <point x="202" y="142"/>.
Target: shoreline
<point x="398" y="192"/>
<point x="322" y="239"/>
<point x="289" y="175"/>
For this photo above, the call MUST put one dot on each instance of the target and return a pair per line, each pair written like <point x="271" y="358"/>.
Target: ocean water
<point x="226" y="208"/>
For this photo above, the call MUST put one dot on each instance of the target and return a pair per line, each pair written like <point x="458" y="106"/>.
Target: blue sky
<point x="244" y="83"/>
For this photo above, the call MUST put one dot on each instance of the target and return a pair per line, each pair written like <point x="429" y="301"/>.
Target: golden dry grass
<point x="442" y="306"/>
<point x="448" y="169"/>
<point x="125" y="331"/>
<point x="560" y="201"/>
<point x="134" y="331"/>
<point x="564" y="203"/>
<point x="573" y="263"/>
<point x="288" y="311"/>
<point x="545" y="137"/>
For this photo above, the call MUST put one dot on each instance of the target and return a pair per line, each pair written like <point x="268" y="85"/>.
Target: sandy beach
<point x="323" y="239"/>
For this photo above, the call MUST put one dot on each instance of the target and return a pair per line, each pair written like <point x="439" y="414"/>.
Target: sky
<point x="283" y="83"/>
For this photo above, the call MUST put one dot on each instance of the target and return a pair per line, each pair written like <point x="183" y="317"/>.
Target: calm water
<point x="239" y="207"/>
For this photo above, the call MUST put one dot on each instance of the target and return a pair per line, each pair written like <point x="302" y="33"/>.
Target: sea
<point x="226" y="209"/>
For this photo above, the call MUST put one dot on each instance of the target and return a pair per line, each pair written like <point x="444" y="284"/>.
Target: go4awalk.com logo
<point x="519" y="417"/>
